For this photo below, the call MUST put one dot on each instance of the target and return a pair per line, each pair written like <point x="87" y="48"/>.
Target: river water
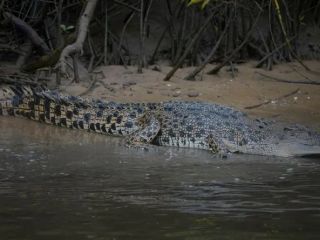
<point x="62" y="184"/>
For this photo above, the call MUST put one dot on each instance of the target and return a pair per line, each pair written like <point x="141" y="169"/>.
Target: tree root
<point x="272" y="100"/>
<point x="311" y="82"/>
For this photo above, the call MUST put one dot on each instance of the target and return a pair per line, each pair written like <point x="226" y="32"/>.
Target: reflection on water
<point x="61" y="184"/>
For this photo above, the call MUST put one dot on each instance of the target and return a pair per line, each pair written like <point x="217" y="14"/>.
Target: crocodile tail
<point x="71" y="112"/>
<point x="40" y="104"/>
<point x="14" y="98"/>
<point x="11" y="97"/>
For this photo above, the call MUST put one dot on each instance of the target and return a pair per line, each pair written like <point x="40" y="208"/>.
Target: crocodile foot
<point x="150" y="127"/>
<point x="217" y="147"/>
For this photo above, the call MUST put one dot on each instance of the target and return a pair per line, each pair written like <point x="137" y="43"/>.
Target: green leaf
<point x="202" y="2"/>
<point x="70" y="28"/>
<point x="63" y="27"/>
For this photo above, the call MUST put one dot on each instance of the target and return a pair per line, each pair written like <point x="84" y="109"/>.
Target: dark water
<point x="60" y="184"/>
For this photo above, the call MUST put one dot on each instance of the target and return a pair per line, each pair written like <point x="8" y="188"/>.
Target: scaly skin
<point x="212" y="127"/>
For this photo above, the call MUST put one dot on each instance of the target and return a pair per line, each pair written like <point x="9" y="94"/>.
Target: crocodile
<point x="220" y="129"/>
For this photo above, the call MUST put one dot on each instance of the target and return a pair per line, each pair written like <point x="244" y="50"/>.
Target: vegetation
<point x="42" y="33"/>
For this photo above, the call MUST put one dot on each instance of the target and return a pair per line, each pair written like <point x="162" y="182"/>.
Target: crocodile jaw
<point x="296" y="150"/>
<point x="282" y="149"/>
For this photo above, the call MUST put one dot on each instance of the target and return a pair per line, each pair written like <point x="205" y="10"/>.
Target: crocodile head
<point x="297" y="141"/>
<point x="291" y="149"/>
<point x="293" y="141"/>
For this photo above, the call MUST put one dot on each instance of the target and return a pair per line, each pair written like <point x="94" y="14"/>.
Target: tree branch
<point x="309" y="82"/>
<point x="276" y="99"/>
<point x="77" y="46"/>
<point x="188" y="48"/>
<point x="192" y="75"/>
<point x="26" y="29"/>
<point x="245" y="40"/>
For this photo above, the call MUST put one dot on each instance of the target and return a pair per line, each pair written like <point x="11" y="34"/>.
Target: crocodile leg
<point x="217" y="146"/>
<point x="150" y="127"/>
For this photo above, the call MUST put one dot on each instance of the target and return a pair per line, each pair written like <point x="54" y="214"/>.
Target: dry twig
<point x="273" y="100"/>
